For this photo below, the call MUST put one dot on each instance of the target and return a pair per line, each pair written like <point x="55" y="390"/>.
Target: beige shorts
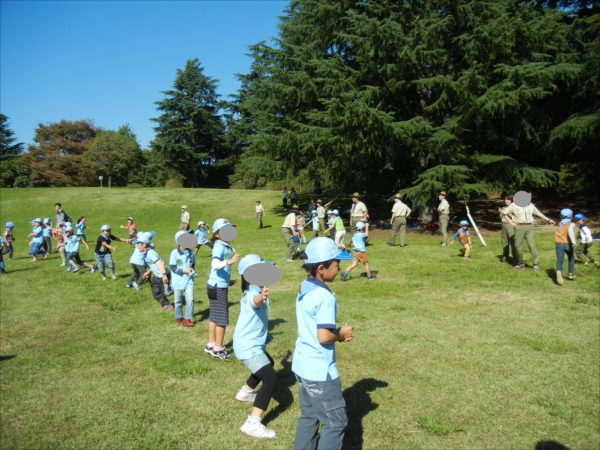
<point x="361" y="257"/>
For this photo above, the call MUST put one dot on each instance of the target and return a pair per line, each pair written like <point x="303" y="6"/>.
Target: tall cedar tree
<point x="456" y="95"/>
<point x="189" y="135"/>
<point x="13" y="169"/>
<point x="56" y="158"/>
<point x="8" y="149"/>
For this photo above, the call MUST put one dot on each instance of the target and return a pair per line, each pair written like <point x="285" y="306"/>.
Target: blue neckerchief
<point x="317" y="282"/>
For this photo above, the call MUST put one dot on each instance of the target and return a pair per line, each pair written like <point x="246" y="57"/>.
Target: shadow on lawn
<point x="283" y="392"/>
<point x="7" y="357"/>
<point x="358" y="405"/>
<point x="550" y="445"/>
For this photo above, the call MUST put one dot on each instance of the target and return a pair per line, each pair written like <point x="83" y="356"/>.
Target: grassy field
<point x="448" y="353"/>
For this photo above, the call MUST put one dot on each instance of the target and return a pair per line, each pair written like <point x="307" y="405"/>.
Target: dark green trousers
<point x="399" y="224"/>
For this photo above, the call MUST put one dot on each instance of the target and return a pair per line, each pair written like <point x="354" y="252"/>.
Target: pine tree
<point x="189" y="135"/>
<point x="8" y="149"/>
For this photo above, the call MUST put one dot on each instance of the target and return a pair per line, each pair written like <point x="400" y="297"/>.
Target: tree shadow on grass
<point x="358" y="405"/>
<point x="283" y="392"/>
<point x="550" y="445"/>
<point x="9" y="270"/>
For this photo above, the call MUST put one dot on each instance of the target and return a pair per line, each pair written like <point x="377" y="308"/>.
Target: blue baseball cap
<point x="323" y="249"/>
<point x="37" y="220"/>
<point x="151" y="234"/>
<point x="130" y="218"/>
<point x="219" y="223"/>
<point x="10" y="224"/>
<point x="68" y="224"/>
<point x="144" y="238"/>
<point x="179" y="233"/>
<point x="250" y="260"/>
<point x="62" y="224"/>
<point x="68" y="229"/>
<point x="46" y="221"/>
<point x="464" y="223"/>
<point x="201" y="223"/>
<point x="336" y="212"/>
<point x="329" y="212"/>
<point x="105" y="228"/>
<point x="566" y="213"/>
<point x="359" y="226"/>
<point x="577" y="216"/>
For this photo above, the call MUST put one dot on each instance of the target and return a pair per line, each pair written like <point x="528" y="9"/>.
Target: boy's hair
<point x="58" y="204"/>
<point x="311" y="268"/>
<point x="508" y="197"/>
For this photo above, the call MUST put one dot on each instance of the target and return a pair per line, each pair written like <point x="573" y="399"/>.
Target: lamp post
<point x="100" y="178"/>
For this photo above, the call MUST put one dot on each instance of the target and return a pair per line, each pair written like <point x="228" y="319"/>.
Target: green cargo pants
<point x="444" y="219"/>
<point x="524" y="232"/>
<point x="398" y="224"/>
<point x="508" y="240"/>
<point x="287" y="237"/>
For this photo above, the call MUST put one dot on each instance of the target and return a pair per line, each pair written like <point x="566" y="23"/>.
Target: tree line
<point x="473" y="97"/>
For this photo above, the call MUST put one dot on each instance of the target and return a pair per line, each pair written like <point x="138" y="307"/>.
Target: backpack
<point x="67" y="217"/>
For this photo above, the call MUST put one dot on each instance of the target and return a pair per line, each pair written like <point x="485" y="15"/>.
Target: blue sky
<point x="108" y="61"/>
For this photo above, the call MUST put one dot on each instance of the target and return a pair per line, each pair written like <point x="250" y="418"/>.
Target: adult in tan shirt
<point x="359" y="213"/>
<point x="287" y="230"/>
<point x="399" y="214"/>
<point x="521" y="217"/>
<point x="185" y="219"/>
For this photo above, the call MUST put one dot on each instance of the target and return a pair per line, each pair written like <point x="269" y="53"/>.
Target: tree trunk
<point x="109" y="180"/>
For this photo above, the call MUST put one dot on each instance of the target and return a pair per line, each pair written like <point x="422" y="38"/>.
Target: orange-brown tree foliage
<point x="56" y="158"/>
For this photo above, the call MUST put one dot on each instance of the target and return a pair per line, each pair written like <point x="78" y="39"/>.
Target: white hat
<point x="184" y="207"/>
<point x="323" y="249"/>
<point x="336" y="212"/>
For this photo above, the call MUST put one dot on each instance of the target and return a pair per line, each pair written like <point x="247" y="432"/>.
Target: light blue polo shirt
<point x="151" y="258"/>
<point x="181" y="259"/>
<point x="72" y="244"/>
<point x="39" y="235"/>
<point x="80" y="228"/>
<point x="201" y="233"/>
<point x="47" y="231"/>
<point x="137" y="258"/>
<point x="359" y="242"/>
<point x="315" y="308"/>
<point x="250" y="333"/>
<point x="221" y="251"/>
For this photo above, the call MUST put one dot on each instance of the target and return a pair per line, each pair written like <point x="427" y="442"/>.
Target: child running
<point x="47" y="233"/>
<point x="58" y="234"/>
<point x="565" y="241"/>
<point x="223" y="257"/>
<point x="340" y="230"/>
<point x="314" y="362"/>
<point x="359" y="242"/>
<point x="201" y="233"/>
<point x="249" y="345"/>
<point x="9" y="238"/>
<point x="182" y="264"/>
<point x="581" y="252"/>
<point x="36" y="244"/>
<point x="464" y="239"/>
<point x="315" y="224"/>
<point x="157" y="267"/>
<point x="138" y="264"/>
<point x="131" y="230"/>
<point x="72" y="250"/>
<point x="103" y="249"/>
<point x="300" y="223"/>
<point x="81" y="226"/>
<point x="3" y="246"/>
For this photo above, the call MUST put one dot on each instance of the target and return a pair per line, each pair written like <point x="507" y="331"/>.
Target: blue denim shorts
<point x="102" y="259"/>
<point x="257" y="361"/>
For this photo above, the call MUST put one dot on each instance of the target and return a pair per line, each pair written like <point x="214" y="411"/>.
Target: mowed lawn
<point x="447" y="353"/>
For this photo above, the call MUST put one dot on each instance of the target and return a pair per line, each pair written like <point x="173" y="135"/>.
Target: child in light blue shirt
<point x="201" y="233"/>
<point x="182" y="263"/>
<point x="359" y="242"/>
<point x="138" y="264"/>
<point x="249" y="342"/>
<point x="37" y="235"/>
<point x="72" y="250"/>
<point x="3" y="244"/>
<point x="219" y="280"/>
<point x="314" y="362"/>
<point x="47" y="233"/>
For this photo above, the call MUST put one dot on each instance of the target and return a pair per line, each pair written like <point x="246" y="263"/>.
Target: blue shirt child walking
<point x="182" y="263"/>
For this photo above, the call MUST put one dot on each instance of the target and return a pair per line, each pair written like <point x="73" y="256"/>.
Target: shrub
<point x="173" y="183"/>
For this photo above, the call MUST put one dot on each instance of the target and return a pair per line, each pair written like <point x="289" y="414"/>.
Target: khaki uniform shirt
<point x="185" y="217"/>
<point x="444" y="207"/>
<point x="290" y="221"/>
<point x="400" y="210"/>
<point x="259" y="208"/>
<point x="522" y="215"/>
<point x="359" y="209"/>
<point x="320" y="212"/>
<point x="503" y="213"/>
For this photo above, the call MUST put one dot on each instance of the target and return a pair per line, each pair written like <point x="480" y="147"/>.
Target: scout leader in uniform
<point x="399" y="214"/>
<point x="522" y="220"/>
<point x="444" y="215"/>
<point x="359" y="214"/>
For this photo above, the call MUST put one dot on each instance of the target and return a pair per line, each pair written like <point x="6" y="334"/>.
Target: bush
<point x="134" y="185"/>
<point x="173" y="183"/>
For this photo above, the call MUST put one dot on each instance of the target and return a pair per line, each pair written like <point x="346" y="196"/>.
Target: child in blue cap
<point x="201" y="234"/>
<point x="131" y="230"/>
<point x="37" y="235"/>
<point x="223" y="257"/>
<point x="565" y="241"/>
<point x="464" y="239"/>
<point x="359" y="242"/>
<point x="157" y="267"/>
<point x="183" y="263"/>
<point x="314" y="363"/>
<point x="3" y="245"/>
<point x="47" y="233"/>
<point x="138" y="264"/>
<point x="581" y="252"/>
<point x="102" y="252"/>
<point x="72" y="250"/>
<point x="249" y="342"/>
<point x="9" y="238"/>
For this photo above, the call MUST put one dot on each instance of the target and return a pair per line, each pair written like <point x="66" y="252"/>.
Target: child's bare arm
<point x="342" y="334"/>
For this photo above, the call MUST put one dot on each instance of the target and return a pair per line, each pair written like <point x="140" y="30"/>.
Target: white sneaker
<point x="559" y="277"/>
<point x="245" y="396"/>
<point x="257" y="429"/>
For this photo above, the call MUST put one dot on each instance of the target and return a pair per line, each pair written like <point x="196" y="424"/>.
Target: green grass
<point x="448" y="353"/>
